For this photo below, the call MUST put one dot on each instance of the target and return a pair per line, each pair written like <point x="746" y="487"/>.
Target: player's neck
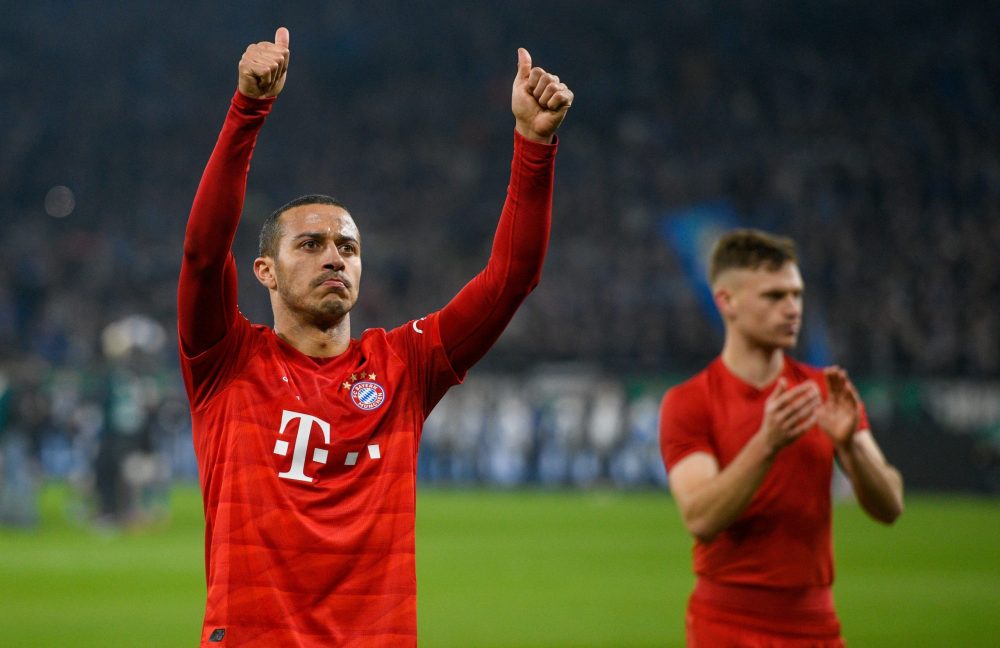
<point x="752" y="363"/>
<point x="312" y="340"/>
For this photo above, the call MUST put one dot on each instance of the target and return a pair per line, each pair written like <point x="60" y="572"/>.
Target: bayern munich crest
<point x="367" y="395"/>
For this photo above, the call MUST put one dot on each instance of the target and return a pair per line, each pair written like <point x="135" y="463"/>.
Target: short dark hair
<point x="270" y="231"/>
<point x="750" y="249"/>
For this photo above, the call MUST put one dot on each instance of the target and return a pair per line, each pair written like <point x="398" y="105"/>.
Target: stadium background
<point x="867" y="131"/>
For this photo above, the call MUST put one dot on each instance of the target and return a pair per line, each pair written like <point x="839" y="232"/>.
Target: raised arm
<point x="206" y="294"/>
<point x="476" y="317"/>
<point x="877" y="485"/>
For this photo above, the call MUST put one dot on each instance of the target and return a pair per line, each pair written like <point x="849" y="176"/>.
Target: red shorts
<point x="741" y="616"/>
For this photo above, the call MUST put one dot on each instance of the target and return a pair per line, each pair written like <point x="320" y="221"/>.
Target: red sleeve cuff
<point x="532" y="150"/>
<point x="252" y="106"/>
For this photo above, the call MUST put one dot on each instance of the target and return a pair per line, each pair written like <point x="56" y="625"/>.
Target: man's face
<point x="317" y="269"/>
<point x="763" y="306"/>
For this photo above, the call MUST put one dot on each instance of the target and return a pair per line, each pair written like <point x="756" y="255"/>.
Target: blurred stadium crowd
<point x="870" y="132"/>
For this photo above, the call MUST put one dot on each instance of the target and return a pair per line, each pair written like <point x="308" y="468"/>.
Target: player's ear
<point x="263" y="269"/>
<point x="724" y="302"/>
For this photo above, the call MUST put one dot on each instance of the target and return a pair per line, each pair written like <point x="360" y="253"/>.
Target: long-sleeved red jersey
<point x="308" y="465"/>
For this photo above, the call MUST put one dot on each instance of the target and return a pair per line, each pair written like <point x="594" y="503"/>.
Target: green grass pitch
<point x="511" y="569"/>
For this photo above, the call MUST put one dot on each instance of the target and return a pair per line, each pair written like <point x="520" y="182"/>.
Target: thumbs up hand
<point x="264" y="65"/>
<point x="538" y="100"/>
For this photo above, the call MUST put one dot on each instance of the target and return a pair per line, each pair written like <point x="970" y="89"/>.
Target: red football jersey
<point x="308" y="470"/>
<point x="783" y="538"/>
<point x="307" y="465"/>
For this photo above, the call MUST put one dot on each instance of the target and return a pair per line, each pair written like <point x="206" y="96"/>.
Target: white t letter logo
<point x="296" y="471"/>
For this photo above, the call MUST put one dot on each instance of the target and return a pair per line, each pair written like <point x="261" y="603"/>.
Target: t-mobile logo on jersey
<point x="301" y="450"/>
